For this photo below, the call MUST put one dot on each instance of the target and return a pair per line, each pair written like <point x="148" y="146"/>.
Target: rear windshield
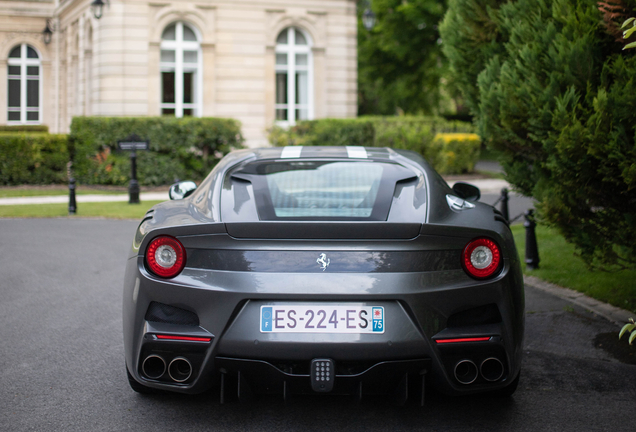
<point x="315" y="190"/>
<point x="339" y="189"/>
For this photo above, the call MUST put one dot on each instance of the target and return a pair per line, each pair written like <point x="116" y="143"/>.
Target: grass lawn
<point x="12" y="192"/>
<point x="112" y="210"/>
<point x="560" y="266"/>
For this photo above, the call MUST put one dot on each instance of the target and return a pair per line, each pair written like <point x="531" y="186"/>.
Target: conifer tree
<point x="557" y="97"/>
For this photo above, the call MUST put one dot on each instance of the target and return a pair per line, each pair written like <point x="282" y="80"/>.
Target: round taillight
<point x="481" y="258"/>
<point x="166" y="256"/>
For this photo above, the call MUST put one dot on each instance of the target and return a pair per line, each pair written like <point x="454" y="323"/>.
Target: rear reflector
<point x="474" y="339"/>
<point x="184" y="338"/>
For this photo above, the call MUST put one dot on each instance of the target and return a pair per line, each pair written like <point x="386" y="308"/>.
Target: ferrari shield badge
<point x="323" y="261"/>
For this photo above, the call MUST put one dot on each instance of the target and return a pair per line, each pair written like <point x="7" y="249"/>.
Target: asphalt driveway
<point x="62" y="364"/>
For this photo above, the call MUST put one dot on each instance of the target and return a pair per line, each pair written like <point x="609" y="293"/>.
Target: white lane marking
<point x="291" y="152"/>
<point x="356" y="152"/>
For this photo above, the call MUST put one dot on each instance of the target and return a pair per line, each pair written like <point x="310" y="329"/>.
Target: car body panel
<point x="410" y="264"/>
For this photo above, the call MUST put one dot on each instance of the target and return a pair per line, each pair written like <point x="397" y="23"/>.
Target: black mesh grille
<point x="488" y="314"/>
<point x="163" y="313"/>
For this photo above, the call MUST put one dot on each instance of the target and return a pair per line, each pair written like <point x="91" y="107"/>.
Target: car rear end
<point x="281" y="297"/>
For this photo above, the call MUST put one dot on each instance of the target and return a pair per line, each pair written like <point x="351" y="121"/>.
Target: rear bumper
<point x="417" y="309"/>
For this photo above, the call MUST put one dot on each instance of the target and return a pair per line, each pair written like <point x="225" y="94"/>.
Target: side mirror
<point x="467" y="191"/>
<point x="182" y="190"/>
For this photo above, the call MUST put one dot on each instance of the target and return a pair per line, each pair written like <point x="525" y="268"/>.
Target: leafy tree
<point x="557" y="97"/>
<point x="471" y="38"/>
<point x="400" y="63"/>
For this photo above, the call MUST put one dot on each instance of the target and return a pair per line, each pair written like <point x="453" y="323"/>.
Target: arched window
<point x="294" y="77"/>
<point x="24" y="82"/>
<point x="180" y="71"/>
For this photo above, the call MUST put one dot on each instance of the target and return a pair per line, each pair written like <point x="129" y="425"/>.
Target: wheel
<point x="140" y="388"/>
<point x="508" y="390"/>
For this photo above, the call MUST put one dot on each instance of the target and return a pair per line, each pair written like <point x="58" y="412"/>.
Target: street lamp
<point x="368" y="18"/>
<point x="97" y="6"/>
<point x="47" y="33"/>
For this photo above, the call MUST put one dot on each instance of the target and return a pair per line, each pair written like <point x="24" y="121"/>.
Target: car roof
<point x="344" y="152"/>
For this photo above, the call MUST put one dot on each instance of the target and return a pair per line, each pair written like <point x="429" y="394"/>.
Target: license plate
<point x="322" y="319"/>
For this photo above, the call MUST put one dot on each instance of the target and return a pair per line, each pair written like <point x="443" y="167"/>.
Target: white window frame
<point x="179" y="68"/>
<point x="23" y="62"/>
<point x="291" y="49"/>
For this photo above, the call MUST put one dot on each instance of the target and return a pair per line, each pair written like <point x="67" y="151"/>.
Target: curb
<point x="611" y="313"/>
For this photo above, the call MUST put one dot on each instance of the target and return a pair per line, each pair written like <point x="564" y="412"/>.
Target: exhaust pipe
<point x="466" y="371"/>
<point x="153" y="366"/>
<point x="491" y="369"/>
<point x="180" y="369"/>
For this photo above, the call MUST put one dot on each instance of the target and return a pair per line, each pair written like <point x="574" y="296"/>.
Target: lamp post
<point x="47" y="33"/>
<point x="368" y="17"/>
<point x="98" y="8"/>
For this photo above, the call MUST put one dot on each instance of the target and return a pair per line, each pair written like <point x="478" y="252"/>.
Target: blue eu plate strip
<point x="266" y="319"/>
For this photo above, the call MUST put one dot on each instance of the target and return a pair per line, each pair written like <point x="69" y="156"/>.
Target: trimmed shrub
<point x="337" y="132"/>
<point x="24" y="128"/>
<point x="456" y="152"/>
<point x="179" y="148"/>
<point x="424" y="135"/>
<point x="33" y="158"/>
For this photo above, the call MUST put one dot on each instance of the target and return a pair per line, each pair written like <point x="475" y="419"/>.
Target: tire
<point x="140" y="388"/>
<point x="508" y="390"/>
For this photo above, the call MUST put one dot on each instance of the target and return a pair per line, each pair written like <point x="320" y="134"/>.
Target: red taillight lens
<point x="481" y="258"/>
<point x="166" y="256"/>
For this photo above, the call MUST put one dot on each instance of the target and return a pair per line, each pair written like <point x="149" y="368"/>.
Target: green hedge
<point x="33" y="158"/>
<point x="24" y="128"/>
<point x="180" y="148"/>
<point x="423" y="135"/>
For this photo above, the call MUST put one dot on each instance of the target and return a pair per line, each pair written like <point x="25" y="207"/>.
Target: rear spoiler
<point x="323" y="230"/>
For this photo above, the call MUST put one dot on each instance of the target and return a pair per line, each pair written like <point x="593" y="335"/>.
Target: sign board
<point x="132" y="145"/>
<point x="133" y="142"/>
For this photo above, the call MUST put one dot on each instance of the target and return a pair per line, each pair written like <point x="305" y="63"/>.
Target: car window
<point x="339" y="189"/>
<point x="322" y="189"/>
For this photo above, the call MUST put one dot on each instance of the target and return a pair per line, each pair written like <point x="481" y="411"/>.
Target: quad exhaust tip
<point x="154" y="366"/>
<point x="491" y="369"/>
<point x="466" y="371"/>
<point x="180" y="369"/>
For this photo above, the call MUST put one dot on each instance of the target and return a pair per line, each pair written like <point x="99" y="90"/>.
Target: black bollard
<point x="504" y="204"/>
<point x="72" y="204"/>
<point x="133" y="187"/>
<point x="532" y="250"/>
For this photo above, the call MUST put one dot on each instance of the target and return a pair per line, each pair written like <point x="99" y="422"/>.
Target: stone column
<point x="3" y="90"/>
<point x="81" y="78"/>
<point x="320" y="88"/>
<point x="270" y="86"/>
<point x="208" y="104"/>
<point x="154" y="79"/>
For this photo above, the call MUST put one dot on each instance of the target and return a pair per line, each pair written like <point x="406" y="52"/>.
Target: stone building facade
<point x="261" y="62"/>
